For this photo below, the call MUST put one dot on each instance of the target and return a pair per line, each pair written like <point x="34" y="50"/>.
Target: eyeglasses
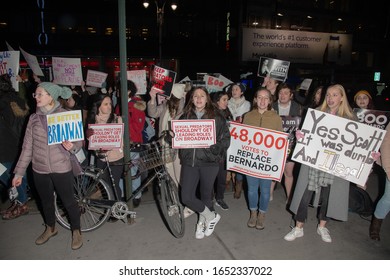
<point x="35" y="95"/>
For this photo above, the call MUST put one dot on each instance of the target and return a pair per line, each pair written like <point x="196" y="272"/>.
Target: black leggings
<point x="116" y="170"/>
<point x="62" y="184"/>
<point x="190" y="177"/>
<point x="301" y="215"/>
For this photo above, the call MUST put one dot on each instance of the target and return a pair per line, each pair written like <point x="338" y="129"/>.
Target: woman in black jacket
<point x="201" y="165"/>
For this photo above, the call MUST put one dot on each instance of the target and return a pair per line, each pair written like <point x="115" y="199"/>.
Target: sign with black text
<point x="290" y="126"/>
<point x="273" y="68"/>
<point x="256" y="151"/>
<point x="338" y="146"/>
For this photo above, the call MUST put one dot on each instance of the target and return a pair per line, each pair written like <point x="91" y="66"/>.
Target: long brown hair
<point x="209" y="109"/>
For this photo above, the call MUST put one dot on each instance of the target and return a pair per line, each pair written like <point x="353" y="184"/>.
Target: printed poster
<point x="290" y="125"/>
<point x="64" y="126"/>
<point x="273" y="68"/>
<point x="193" y="133"/>
<point x="376" y="118"/>
<point x="338" y="146"/>
<point x="214" y="83"/>
<point x="95" y="78"/>
<point x="162" y="80"/>
<point x="257" y="152"/>
<point x="67" y="71"/>
<point x="106" y="136"/>
<point x="139" y="79"/>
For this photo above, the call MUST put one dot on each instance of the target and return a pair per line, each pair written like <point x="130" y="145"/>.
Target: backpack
<point x="360" y="201"/>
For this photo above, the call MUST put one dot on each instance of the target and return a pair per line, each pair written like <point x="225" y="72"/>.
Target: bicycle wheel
<point x="87" y="187"/>
<point x="171" y="207"/>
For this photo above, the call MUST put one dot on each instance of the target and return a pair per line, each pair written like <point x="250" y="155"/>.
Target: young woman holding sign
<point x="101" y="112"/>
<point x="331" y="191"/>
<point x="262" y="115"/>
<point x="201" y="165"/>
<point x="52" y="169"/>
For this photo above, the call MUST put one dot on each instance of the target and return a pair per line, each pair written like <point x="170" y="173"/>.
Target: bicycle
<point x="98" y="200"/>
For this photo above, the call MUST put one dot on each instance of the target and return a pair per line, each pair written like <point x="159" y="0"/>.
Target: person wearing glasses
<point x="51" y="164"/>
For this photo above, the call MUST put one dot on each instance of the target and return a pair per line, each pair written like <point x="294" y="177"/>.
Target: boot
<point x="260" y="221"/>
<point x="77" y="240"/>
<point x="238" y="189"/>
<point x="46" y="235"/>
<point x="375" y="228"/>
<point x="252" y="219"/>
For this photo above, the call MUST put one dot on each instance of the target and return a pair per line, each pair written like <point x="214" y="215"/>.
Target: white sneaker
<point x="199" y="233"/>
<point x="187" y="212"/>
<point x="211" y="225"/>
<point x="324" y="233"/>
<point x="293" y="234"/>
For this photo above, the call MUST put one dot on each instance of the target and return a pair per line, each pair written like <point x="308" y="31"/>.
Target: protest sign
<point x="32" y="61"/>
<point x="95" y="78"/>
<point x="162" y="80"/>
<point x="338" y="146"/>
<point x="305" y="85"/>
<point x="9" y="64"/>
<point x="193" y="133"/>
<point x="67" y="71"/>
<point x="273" y="68"/>
<point x="214" y="83"/>
<point x="139" y="79"/>
<point x="64" y="126"/>
<point x="106" y="136"/>
<point x="256" y="151"/>
<point x="375" y="118"/>
<point x="290" y="125"/>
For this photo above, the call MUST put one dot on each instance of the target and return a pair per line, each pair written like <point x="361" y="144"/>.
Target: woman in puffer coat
<point x="201" y="165"/>
<point x="51" y="165"/>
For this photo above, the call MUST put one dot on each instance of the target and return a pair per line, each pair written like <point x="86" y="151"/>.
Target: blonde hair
<point x="344" y="109"/>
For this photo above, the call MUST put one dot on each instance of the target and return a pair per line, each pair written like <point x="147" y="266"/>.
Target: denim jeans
<point x="6" y="177"/>
<point x="383" y="206"/>
<point x="254" y="184"/>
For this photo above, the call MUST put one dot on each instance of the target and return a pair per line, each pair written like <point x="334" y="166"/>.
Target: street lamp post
<point x="160" y="21"/>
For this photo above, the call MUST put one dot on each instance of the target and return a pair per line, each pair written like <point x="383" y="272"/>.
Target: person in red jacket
<point x="136" y="110"/>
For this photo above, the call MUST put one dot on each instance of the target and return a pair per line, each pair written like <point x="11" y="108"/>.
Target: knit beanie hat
<point x="178" y="90"/>
<point x="241" y="86"/>
<point x="362" y="92"/>
<point x="56" y="91"/>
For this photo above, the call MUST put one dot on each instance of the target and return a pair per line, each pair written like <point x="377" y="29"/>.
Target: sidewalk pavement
<point x="149" y="239"/>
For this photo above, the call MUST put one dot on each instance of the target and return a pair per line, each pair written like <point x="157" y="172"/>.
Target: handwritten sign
<point x="67" y="71"/>
<point x="64" y="126"/>
<point x="214" y="84"/>
<point x="95" y="78"/>
<point x="106" y="136"/>
<point x="256" y="151"/>
<point x="139" y="79"/>
<point x="375" y="118"/>
<point x="162" y="80"/>
<point x="193" y="133"/>
<point x="338" y="146"/>
<point x="9" y="64"/>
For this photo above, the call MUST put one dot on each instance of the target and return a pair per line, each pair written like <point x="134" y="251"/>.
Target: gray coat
<point x="45" y="159"/>
<point x="338" y="195"/>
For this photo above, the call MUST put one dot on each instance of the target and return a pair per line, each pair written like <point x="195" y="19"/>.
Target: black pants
<point x="116" y="170"/>
<point x="190" y="177"/>
<point x="301" y="215"/>
<point x="62" y="184"/>
<point x="220" y="184"/>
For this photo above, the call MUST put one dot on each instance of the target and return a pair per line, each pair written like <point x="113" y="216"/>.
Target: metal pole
<point x="124" y="98"/>
<point x="160" y="21"/>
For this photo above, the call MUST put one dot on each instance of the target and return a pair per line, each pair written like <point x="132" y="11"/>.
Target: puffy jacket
<point x="212" y="156"/>
<point x="45" y="159"/>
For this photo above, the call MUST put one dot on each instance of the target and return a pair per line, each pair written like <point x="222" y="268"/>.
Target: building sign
<point x="296" y="46"/>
